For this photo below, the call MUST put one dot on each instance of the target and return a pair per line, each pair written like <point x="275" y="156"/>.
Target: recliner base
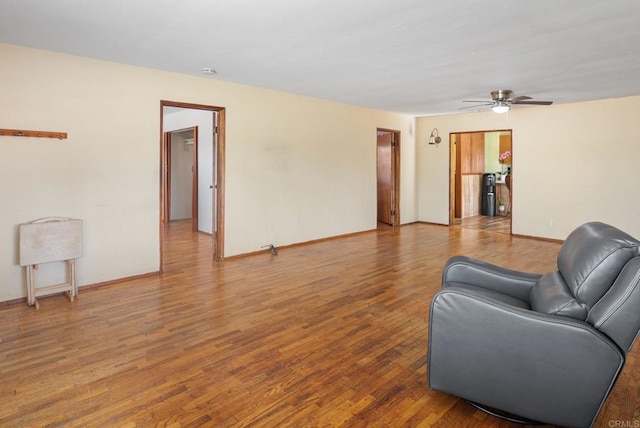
<point x="503" y="415"/>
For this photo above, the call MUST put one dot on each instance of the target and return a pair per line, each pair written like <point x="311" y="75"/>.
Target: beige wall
<point x="297" y="168"/>
<point x="572" y="163"/>
<point x="491" y="152"/>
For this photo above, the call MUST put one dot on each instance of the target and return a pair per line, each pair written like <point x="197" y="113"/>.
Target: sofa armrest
<point x="543" y="367"/>
<point x="462" y="269"/>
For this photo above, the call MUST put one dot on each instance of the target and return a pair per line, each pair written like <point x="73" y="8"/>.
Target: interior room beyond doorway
<point x="181" y="175"/>
<point x="207" y="170"/>
<point x="481" y="178"/>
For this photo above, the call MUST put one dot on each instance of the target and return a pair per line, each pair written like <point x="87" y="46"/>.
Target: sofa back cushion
<point x="592" y="257"/>
<point x="552" y="296"/>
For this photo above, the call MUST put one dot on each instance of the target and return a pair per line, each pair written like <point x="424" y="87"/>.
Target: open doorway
<point x="481" y="180"/>
<point x="388" y="176"/>
<point x="180" y="195"/>
<point x="204" y="151"/>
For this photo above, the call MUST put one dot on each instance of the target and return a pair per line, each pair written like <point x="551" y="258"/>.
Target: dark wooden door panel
<point x="385" y="178"/>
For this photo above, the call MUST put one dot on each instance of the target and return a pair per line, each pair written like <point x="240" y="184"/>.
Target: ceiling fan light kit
<point x="501" y="101"/>
<point x="501" y="107"/>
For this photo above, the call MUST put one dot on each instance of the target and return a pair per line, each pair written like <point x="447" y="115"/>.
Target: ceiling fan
<point x="501" y="101"/>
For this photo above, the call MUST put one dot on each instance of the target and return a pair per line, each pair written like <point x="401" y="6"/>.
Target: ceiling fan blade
<point x="537" y="103"/>
<point x="477" y="101"/>
<point x="520" y="98"/>
<point x="477" y="105"/>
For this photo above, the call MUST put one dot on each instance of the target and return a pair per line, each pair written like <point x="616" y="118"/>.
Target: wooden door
<point x="385" y="178"/>
<point x="477" y="153"/>
<point x="468" y="175"/>
<point x="458" y="176"/>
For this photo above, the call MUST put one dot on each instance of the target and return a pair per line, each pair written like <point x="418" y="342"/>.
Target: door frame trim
<point x="219" y="194"/>
<point x="194" y="182"/>
<point x="165" y="179"/>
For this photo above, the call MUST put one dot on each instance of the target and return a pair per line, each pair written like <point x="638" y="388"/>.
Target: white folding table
<point x="51" y="239"/>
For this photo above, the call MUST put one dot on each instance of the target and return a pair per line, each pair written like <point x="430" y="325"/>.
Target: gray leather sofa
<point x="544" y="347"/>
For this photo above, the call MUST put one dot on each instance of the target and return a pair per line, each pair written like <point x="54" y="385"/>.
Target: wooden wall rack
<point x="25" y="133"/>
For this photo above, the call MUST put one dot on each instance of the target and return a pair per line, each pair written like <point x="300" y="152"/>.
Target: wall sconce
<point x="434" y="138"/>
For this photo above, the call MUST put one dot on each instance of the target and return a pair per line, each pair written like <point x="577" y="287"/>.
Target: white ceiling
<point x="418" y="57"/>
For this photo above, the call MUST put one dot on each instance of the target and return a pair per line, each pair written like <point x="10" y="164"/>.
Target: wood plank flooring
<point x="497" y="223"/>
<point x="328" y="334"/>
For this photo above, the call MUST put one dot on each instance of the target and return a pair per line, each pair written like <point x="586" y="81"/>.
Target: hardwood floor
<point x="328" y="334"/>
<point x="497" y="223"/>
